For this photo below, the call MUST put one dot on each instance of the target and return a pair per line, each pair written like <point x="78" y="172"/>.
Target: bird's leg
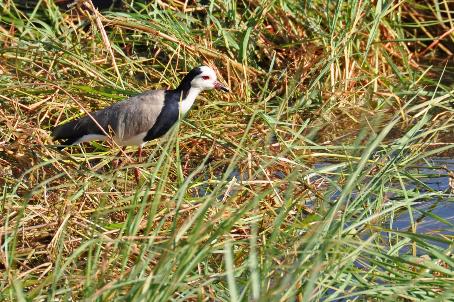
<point x="136" y="169"/>
<point x="139" y="152"/>
<point x="186" y="164"/>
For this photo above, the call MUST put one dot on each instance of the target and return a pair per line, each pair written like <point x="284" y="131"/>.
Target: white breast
<point x="135" y="140"/>
<point x="187" y="102"/>
<point x="89" y="138"/>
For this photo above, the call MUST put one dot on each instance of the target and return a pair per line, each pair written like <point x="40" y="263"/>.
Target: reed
<point x="288" y="189"/>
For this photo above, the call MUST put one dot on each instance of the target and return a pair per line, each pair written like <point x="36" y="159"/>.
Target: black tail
<point x="69" y="133"/>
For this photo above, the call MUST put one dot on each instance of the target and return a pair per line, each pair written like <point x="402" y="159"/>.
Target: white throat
<point x="187" y="102"/>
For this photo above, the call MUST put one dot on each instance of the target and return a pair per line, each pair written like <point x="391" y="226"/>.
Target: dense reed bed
<point x="287" y="189"/>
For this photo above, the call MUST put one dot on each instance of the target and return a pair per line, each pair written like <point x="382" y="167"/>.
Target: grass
<point x="287" y="189"/>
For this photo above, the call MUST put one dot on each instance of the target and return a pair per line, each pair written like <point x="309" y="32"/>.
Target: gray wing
<point x="137" y="114"/>
<point x="126" y="119"/>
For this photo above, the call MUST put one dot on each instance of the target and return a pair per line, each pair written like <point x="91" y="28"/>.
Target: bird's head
<point x="203" y="78"/>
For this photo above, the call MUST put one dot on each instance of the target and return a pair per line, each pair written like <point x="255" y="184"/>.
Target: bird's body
<point x="140" y="118"/>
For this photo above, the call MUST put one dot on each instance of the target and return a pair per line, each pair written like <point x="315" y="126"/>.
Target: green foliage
<point x="288" y="189"/>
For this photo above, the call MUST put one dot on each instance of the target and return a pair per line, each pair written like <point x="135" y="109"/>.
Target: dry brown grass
<point x="240" y="168"/>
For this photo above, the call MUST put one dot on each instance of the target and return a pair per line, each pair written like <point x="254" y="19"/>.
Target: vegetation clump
<point x="289" y="189"/>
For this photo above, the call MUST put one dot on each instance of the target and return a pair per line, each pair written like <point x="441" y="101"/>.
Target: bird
<point x="140" y="118"/>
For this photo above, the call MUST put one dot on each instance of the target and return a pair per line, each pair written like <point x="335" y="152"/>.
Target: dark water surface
<point x="430" y="216"/>
<point x="436" y="216"/>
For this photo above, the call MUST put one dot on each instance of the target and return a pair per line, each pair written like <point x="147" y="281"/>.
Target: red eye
<point x="205" y="77"/>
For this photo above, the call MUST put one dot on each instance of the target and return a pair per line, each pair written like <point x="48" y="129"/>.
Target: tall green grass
<point x="285" y="190"/>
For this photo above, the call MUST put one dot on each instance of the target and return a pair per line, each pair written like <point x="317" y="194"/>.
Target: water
<point x="436" y="216"/>
<point x="432" y="217"/>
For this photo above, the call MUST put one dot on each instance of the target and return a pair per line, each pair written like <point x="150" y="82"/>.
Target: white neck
<point x="187" y="102"/>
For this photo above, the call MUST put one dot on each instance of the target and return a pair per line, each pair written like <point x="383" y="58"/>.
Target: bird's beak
<point x="219" y="86"/>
